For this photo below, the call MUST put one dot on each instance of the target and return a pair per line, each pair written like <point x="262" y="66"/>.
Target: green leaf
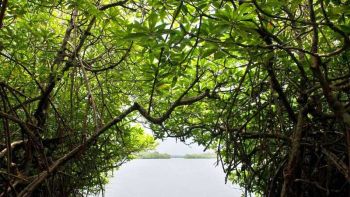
<point x="184" y="9"/>
<point x="208" y="51"/>
<point x="345" y="28"/>
<point x="173" y="82"/>
<point x="152" y="20"/>
<point x="135" y="36"/>
<point x="219" y="55"/>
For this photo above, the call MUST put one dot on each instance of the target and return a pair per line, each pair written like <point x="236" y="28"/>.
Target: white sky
<point x="172" y="147"/>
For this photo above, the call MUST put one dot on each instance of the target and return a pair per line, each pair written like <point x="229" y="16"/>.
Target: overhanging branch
<point x="135" y="107"/>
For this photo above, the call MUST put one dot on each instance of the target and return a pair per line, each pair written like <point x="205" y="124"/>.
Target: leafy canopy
<point x="265" y="83"/>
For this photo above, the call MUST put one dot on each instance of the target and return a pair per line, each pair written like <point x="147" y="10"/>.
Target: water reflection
<point x="170" y="178"/>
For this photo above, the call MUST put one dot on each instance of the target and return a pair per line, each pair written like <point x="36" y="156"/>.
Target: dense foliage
<point x="266" y="83"/>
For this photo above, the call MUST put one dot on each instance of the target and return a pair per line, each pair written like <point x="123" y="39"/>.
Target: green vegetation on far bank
<point x="157" y="155"/>
<point x="200" y="156"/>
<point x="153" y="155"/>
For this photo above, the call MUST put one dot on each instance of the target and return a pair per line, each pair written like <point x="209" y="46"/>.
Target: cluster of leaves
<point x="266" y="83"/>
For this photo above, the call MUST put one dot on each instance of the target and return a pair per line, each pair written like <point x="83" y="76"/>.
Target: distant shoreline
<point x="157" y="155"/>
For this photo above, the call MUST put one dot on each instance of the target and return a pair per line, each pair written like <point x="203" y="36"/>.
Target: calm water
<point x="170" y="178"/>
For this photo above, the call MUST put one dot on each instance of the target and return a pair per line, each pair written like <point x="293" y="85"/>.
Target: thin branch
<point x="90" y="99"/>
<point x="155" y="81"/>
<point x="338" y="163"/>
<point x="111" y="5"/>
<point x="275" y="83"/>
<point x="2" y="12"/>
<point x="12" y="146"/>
<point x="113" y="65"/>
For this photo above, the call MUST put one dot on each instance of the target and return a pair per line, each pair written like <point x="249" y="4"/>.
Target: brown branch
<point x="113" y="65"/>
<point x="4" y="84"/>
<point x="337" y="107"/>
<point x="90" y="99"/>
<point x="338" y="163"/>
<point x="276" y="136"/>
<point x="119" y="3"/>
<point x="262" y="107"/>
<point x="44" y="101"/>
<point x="26" y="102"/>
<point x="22" y="124"/>
<point x="155" y="81"/>
<point x="275" y="83"/>
<point x="335" y="28"/>
<point x="136" y="107"/>
<point x="13" y="145"/>
<point x="304" y="22"/>
<point x="314" y="46"/>
<point x="17" y="62"/>
<point x="14" y="176"/>
<point x="32" y="135"/>
<point x="7" y="131"/>
<point x="293" y="160"/>
<point x="46" y="142"/>
<point x="161" y="119"/>
<point x="316" y="184"/>
<point x="2" y="12"/>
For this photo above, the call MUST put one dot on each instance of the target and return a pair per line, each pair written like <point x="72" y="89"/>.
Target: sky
<point x="173" y="147"/>
<point x="176" y="147"/>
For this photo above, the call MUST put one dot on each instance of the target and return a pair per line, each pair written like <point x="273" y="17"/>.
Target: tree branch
<point x="136" y="107"/>
<point x="275" y="83"/>
<point x="119" y="3"/>
<point x="2" y="12"/>
<point x="113" y="65"/>
<point x="293" y="160"/>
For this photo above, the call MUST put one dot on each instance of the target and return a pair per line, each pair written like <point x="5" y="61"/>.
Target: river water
<point x="170" y="178"/>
